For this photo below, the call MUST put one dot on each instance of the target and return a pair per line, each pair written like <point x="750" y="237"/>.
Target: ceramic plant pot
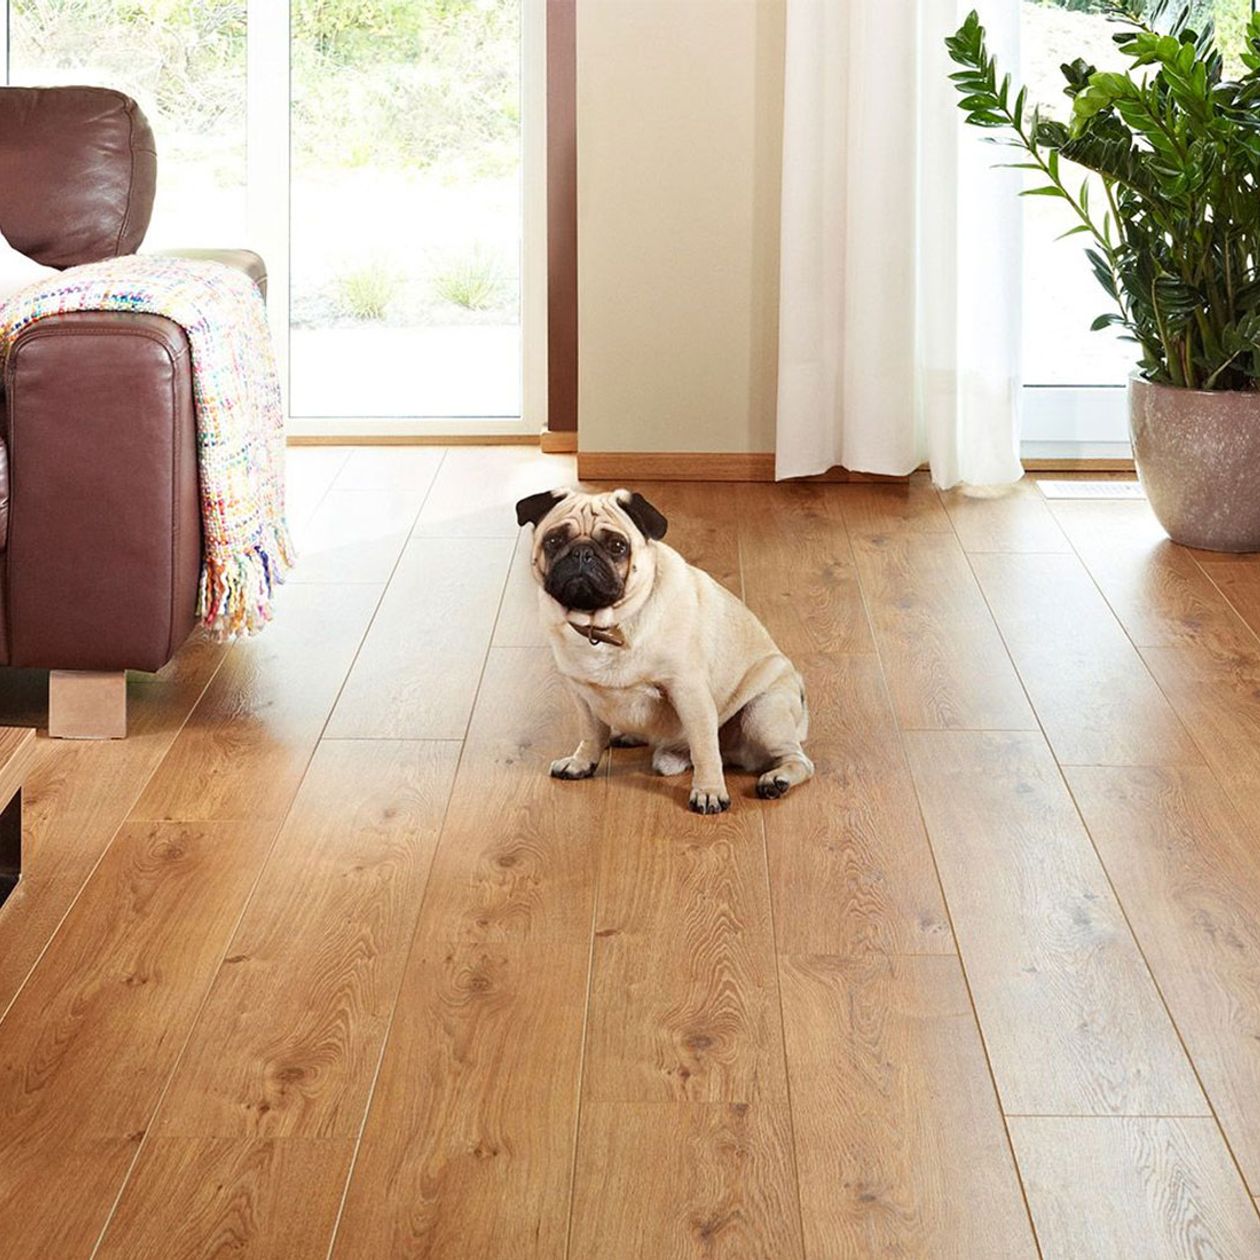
<point x="1198" y="458"/>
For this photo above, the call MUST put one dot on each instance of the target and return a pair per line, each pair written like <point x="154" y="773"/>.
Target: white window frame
<point x="269" y="205"/>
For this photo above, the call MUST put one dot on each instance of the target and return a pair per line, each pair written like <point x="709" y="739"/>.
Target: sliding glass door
<point x="375" y="152"/>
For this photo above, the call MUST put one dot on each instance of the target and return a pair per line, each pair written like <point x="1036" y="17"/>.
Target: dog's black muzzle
<point x="583" y="579"/>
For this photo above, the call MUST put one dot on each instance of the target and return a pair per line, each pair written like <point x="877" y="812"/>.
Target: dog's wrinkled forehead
<point x="583" y="513"/>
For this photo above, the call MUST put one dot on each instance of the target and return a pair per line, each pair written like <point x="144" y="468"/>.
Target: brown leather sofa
<point x="100" y="528"/>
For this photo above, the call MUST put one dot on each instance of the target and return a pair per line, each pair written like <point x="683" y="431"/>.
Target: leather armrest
<point x="242" y="259"/>
<point x="104" y="540"/>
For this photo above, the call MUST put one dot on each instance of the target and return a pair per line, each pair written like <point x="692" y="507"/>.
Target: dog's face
<point x="590" y="549"/>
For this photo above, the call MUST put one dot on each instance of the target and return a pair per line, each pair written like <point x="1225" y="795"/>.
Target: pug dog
<point x="656" y="652"/>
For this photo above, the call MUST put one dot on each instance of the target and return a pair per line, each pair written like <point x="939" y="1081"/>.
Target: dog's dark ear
<point x="531" y="509"/>
<point x="650" y="522"/>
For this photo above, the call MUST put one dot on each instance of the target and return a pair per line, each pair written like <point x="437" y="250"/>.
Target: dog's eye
<point x="552" y="543"/>
<point x="617" y="547"/>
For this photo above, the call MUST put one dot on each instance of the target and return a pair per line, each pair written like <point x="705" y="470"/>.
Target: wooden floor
<point x="320" y="962"/>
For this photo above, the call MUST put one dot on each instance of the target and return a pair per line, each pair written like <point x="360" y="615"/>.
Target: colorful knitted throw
<point x="240" y="423"/>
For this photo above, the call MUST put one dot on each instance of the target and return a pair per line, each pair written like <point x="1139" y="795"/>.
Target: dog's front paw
<point x="572" y="768"/>
<point x="709" y="800"/>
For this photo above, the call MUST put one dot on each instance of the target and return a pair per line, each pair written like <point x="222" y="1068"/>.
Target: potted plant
<point x="1174" y="242"/>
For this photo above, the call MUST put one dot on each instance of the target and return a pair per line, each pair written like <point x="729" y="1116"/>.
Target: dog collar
<point x="600" y="634"/>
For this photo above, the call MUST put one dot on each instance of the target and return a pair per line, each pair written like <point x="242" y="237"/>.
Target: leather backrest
<point x="78" y="169"/>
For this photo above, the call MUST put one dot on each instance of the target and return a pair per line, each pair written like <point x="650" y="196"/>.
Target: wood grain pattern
<point x="476" y="489"/>
<point x="850" y="867"/>
<point x="1239" y="581"/>
<point x="519" y="623"/>
<point x="76" y="797"/>
<point x="190" y="1198"/>
<point x="1188" y="872"/>
<point x="684" y="1002"/>
<point x="468" y="1147"/>
<point x="291" y="1032"/>
<point x="17" y="756"/>
<point x="1157" y="590"/>
<point x="86" y="1046"/>
<point x="1007" y="519"/>
<point x="416" y="675"/>
<point x="685" y="1181"/>
<point x="799" y="575"/>
<point x="517" y="857"/>
<point x="913" y="505"/>
<point x="1096" y="700"/>
<point x="889" y="1086"/>
<point x="1216" y="699"/>
<point x="945" y="662"/>
<point x="355" y="536"/>
<point x="1072" y="1020"/>
<point x="1159" y="1188"/>
<point x="246" y="744"/>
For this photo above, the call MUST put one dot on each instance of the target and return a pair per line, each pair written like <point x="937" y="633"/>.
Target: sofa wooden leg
<point x="84" y="705"/>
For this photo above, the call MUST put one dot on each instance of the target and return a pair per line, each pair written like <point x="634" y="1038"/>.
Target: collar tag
<point x="593" y="634"/>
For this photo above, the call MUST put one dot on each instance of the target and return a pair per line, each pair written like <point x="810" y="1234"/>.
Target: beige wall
<point x="679" y="107"/>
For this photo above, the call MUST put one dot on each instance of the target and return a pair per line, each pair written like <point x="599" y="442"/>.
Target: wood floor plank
<point x="684" y="1003"/>
<point x="474" y="493"/>
<point x="1187" y="871"/>
<point x="288" y="1040"/>
<point x="1162" y="1189"/>
<point x="309" y="473"/>
<point x="1239" y="582"/>
<point x="410" y="468"/>
<point x="1073" y="1022"/>
<point x="355" y="536"/>
<point x="877" y="508"/>
<point x="1007" y="519"/>
<point x="416" y="675"/>
<point x="1215" y="696"/>
<point x="468" y="1147"/>
<point x="1096" y="700"/>
<point x="245" y="747"/>
<point x="889" y="1085"/>
<point x="519" y="623"/>
<point x="685" y="1181"/>
<point x="799" y="574"/>
<point x="517" y="857"/>
<point x="850" y="867"/>
<point x="263" y="1197"/>
<point x="76" y="797"/>
<point x="1157" y="590"/>
<point x="88" y="1043"/>
<point x="946" y="666"/>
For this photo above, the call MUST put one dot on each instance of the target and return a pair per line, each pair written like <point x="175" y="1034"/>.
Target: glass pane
<point x="406" y="208"/>
<point x="184" y="62"/>
<point x="1061" y="295"/>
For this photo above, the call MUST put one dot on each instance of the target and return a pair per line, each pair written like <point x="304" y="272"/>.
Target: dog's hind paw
<point x="772" y="785"/>
<point x="708" y="801"/>
<point x="572" y="768"/>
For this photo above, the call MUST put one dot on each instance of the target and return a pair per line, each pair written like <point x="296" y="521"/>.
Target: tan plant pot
<point x="1198" y="458"/>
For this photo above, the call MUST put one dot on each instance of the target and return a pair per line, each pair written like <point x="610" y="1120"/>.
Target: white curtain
<point x="899" y="324"/>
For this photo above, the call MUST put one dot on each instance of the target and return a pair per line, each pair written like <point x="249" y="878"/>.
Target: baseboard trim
<point x="1079" y="465"/>
<point x="558" y="442"/>
<point x="696" y="466"/>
